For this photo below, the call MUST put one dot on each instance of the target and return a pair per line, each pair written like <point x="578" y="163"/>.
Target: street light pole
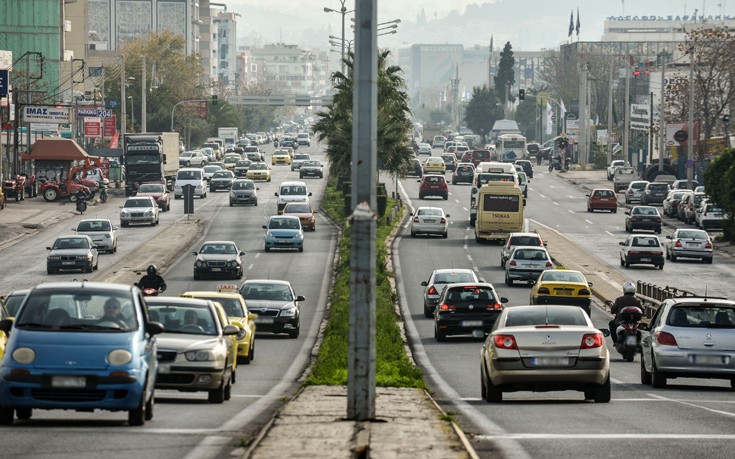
<point x="343" y="11"/>
<point x="144" y="96"/>
<point x="132" y="113"/>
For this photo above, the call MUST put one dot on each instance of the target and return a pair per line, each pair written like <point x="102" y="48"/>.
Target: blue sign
<point x="112" y="103"/>
<point x="4" y="82"/>
<point x="94" y="112"/>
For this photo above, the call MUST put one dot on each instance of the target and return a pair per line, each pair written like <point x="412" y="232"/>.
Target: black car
<point x="527" y="167"/>
<point x="643" y="218"/>
<point x="221" y="180"/>
<point x="413" y="167"/>
<point x="218" y="258"/>
<point x="243" y="191"/>
<point x="241" y="167"/>
<point x="467" y="309"/>
<point x="275" y="304"/>
<point x="464" y="173"/>
<point x="654" y="193"/>
<point x="311" y="168"/>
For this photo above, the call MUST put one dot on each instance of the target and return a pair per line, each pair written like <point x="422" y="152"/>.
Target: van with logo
<point x="190" y="176"/>
<point x="499" y="211"/>
<point x="291" y="191"/>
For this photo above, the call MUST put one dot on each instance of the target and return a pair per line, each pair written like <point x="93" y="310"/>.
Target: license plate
<point x="603" y="199"/>
<point x="708" y="359"/>
<point x="647" y="220"/>
<point x="264" y="320"/>
<point x="283" y="242"/>
<point x="631" y="340"/>
<point x="692" y="244"/>
<point x="471" y="323"/>
<point x="429" y="221"/>
<point x="549" y="361"/>
<point x="216" y="270"/>
<point x="645" y="259"/>
<point x="717" y="215"/>
<point x="67" y="262"/>
<point x="563" y="291"/>
<point x="68" y="381"/>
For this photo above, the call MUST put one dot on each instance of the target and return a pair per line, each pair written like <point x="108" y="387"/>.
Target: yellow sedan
<point x="434" y="165"/>
<point x="237" y="313"/>
<point x="281" y="157"/>
<point x="259" y="171"/>
<point x="562" y="286"/>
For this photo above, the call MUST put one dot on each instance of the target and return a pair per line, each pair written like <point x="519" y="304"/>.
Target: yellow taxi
<point x="434" y="165"/>
<point x="562" y="286"/>
<point x="237" y="312"/>
<point x="231" y="160"/>
<point x="259" y="171"/>
<point x="281" y="157"/>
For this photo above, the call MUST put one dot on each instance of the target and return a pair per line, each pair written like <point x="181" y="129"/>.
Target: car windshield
<point x="525" y="240"/>
<point x="184" y="319"/>
<point x="150" y="189"/>
<point x="297" y="208"/>
<point x="94" y="225"/>
<point x="221" y="174"/>
<point x="138" y="203"/>
<point x="548" y="315"/>
<point x="258" y="291"/>
<point x="78" y="310"/>
<point x="258" y="167"/>
<point x="301" y="157"/>
<point x="13" y="302"/>
<point x="243" y="186"/>
<point x="222" y="249"/>
<point x="284" y="223"/>
<point x="433" y="178"/>
<point x="231" y="160"/>
<point x="638" y="186"/>
<point x="310" y="163"/>
<point x="211" y="169"/>
<point x="232" y="306"/>
<point x="188" y="175"/>
<point x="187" y="154"/>
<point x="711" y="315"/>
<point x="244" y="163"/>
<point x="453" y="278"/>
<point x="293" y="190"/>
<point x="562" y="276"/>
<point x="603" y="193"/>
<point x="71" y="243"/>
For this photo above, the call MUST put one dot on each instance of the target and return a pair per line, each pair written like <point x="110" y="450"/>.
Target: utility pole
<point x="610" y="114"/>
<point x="361" y="343"/>
<point x="123" y="103"/>
<point x="455" y="98"/>
<point x="690" y="140"/>
<point x="144" y="97"/>
<point x="650" y="130"/>
<point x="626" y="124"/>
<point x="583" y="118"/>
<point x="661" y="123"/>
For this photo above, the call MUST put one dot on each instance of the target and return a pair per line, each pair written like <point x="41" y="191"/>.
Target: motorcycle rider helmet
<point x="629" y="288"/>
<point x="152" y="270"/>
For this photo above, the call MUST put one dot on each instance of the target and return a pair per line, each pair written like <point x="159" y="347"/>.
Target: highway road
<point x="692" y="417"/>
<point x="185" y="425"/>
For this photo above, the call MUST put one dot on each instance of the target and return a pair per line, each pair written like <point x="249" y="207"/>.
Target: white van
<point x="190" y="176"/>
<point x="496" y="166"/>
<point x="292" y="191"/>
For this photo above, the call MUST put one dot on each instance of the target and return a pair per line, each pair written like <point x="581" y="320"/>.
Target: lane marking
<point x="588" y="221"/>
<point x="693" y="405"/>
<point x="570" y="211"/>
<point x="608" y="232"/>
<point x="542" y="195"/>
<point x="251" y="266"/>
<point x="555" y="203"/>
<point x="608" y="436"/>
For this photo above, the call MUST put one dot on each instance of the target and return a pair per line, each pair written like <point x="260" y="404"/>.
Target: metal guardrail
<point x="652" y="295"/>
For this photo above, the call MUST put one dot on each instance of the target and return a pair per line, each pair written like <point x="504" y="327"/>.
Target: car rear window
<point x="433" y="178"/>
<point x="550" y="315"/>
<point x="453" y="278"/>
<point x="603" y="193"/>
<point x="710" y="315"/>
<point x="470" y="294"/>
<point x="525" y="240"/>
<point x="658" y="186"/>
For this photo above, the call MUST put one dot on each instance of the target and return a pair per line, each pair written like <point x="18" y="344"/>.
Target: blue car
<point x="284" y="232"/>
<point x="80" y="346"/>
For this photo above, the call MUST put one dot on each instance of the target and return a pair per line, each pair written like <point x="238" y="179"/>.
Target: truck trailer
<point x="151" y="157"/>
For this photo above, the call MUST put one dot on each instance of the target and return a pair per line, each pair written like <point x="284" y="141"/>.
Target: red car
<point x="433" y="185"/>
<point x="158" y="192"/>
<point x="479" y="156"/>
<point x="602" y="199"/>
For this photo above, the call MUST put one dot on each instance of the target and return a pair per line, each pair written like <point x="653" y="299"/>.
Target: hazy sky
<point x="528" y="24"/>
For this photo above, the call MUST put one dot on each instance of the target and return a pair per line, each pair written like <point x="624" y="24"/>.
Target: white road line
<point x="469" y="257"/>
<point x="250" y="266"/>
<point x="570" y="211"/>
<point x="693" y="405"/>
<point x="556" y="203"/>
<point x="608" y="232"/>
<point x="608" y="436"/>
<point x="465" y="209"/>
<point x="542" y="196"/>
<point x="257" y="255"/>
<point x="457" y="201"/>
<point x="572" y="197"/>
<point x="588" y="221"/>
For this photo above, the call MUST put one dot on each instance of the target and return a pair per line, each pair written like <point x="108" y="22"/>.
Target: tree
<point x="394" y="123"/>
<point x="483" y="110"/>
<point x="506" y="74"/>
<point x="719" y="181"/>
<point x="527" y="114"/>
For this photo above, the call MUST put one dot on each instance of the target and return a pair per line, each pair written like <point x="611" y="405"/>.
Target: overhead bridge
<point x="280" y="100"/>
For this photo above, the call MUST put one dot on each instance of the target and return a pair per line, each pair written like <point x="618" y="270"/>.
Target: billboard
<point x="44" y="114"/>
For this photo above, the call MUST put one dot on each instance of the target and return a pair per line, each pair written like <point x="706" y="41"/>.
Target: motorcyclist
<point x="627" y="299"/>
<point x="152" y="280"/>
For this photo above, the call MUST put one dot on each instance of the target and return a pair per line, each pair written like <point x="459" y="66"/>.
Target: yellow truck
<point x="499" y="211"/>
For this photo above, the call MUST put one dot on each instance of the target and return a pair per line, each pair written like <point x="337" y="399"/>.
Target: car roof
<point x="452" y="270"/>
<point x="212" y="294"/>
<point x="177" y="300"/>
<point x="267" y="281"/>
<point x="219" y="242"/>
<point x="122" y="288"/>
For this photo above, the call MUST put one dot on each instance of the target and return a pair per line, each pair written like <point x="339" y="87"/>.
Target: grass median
<point x="393" y="367"/>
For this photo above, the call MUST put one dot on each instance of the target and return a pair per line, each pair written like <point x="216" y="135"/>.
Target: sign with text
<point x="110" y="126"/>
<point x="92" y="127"/>
<point x="42" y="114"/>
<point x="4" y="84"/>
<point x="94" y="112"/>
<point x="44" y="127"/>
<point x="640" y="115"/>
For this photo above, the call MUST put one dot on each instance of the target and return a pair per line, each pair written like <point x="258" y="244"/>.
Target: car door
<point x="648" y="333"/>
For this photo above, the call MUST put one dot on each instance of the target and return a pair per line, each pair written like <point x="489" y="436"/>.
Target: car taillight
<point x="505" y="342"/>
<point x="708" y="245"/>
<point x="432" y="291"/>
<point x="666" y="339"/>
<point x="512" y="263"/>
<point x="549" y="264"/>
<point x="447" y="307"/>
<point x="677" y="244"/>
<point x="591" y="341"/>
<point x="543" y="290"/>
<point x="494" y="307"/>
<point x="416" y="219"/>
<point x="583" y="291"/>
<point x="443" y="220"/>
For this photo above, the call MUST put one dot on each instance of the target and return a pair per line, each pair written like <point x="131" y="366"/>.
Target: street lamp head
<point x="330" y="10"/>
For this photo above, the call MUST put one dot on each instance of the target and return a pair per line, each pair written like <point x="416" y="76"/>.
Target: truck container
<point x="151" y="157"/>
<point x="229" y="135"/>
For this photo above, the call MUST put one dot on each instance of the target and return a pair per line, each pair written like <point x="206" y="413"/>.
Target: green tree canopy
<point x="483" y="110"/>
<point x="506" y="74"/>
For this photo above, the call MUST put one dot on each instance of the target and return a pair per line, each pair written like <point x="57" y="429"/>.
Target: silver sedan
<point x="430" y="220"/>
<point x="689" y="243"/>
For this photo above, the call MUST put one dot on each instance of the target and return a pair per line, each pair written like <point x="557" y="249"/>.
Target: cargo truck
<point x="229" y="136"/>
<point x="151" y="157"/>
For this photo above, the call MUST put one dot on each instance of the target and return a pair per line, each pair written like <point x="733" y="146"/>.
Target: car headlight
<point x="299" y="235"/>
<point x="269" y="234"/>
<point x="119" y="357"/>
<point x="148" y="213"/>
<point x="89" y="256"/>
<point x="289" y="312"/>
<point x="233" y="194"/>
<point x="124" y="213"/>
<point x="200" y="264"/>
<point x="199" y="356"/>
<point x="24" y="355"/>
<point x="233" y="264"/>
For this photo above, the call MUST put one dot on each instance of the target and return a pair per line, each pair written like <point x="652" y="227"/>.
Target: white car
<point x="139" y="209"/>
<point x="613" y="166"/>
<point x="102" y="232"/>
<point x="424" y="149"/>
<point x="430" y="220"/>
<point x="709" y="217"/>
<point x="642" y="249"/>
<point x="635" y="191"/>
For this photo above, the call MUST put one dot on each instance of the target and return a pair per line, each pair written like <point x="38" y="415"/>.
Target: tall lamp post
<point x="343" y="11"/>
<point x="132" y="114"/>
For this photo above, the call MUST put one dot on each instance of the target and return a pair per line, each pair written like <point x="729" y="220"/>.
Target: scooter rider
<point x="152" y="280"/>
<point x="627" y="299"/>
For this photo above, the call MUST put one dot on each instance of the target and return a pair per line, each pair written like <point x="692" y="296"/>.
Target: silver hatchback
<point x="526" y="264"/>
<point x="102" y="232"/>
<point x="689" y="243"/>
<point x="689" y="338"/>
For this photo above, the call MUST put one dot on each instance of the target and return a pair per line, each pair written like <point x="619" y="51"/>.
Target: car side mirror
<point x="605" y="332"/>
<point x="195" y="253"/>
<point x="589" y="284"/>
<point x="154" y="328"/>
<point x="503" y="299"/>
<point x="587" y="195"/>
<point x="419" y="181"/>
<point x="115" y="227"/>
<point x="256" y="188"/>
<point x="230" y="330"/>
<point x="49" y="248"/>
<point x="309" y="193"/>
<point x="621" y="243"/>
<point x="669" y="237"/>
<point x="276" y="193"/>
<point x="627" y="212"/>
<point x="6" y="325"/>
<point x="424" y="283"/>
<point x="300" y="298"/>
<point x="643" y="326"/>
<point x="265" y="227"/>
<point x="447" y="215"/>
<point x="532" y="282"/>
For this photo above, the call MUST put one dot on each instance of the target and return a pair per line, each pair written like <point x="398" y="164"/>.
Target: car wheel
<point x="256" y="202"/>
<point x="168" y="207"/>
<point x="658" y="380"/>
<point x="188" y="163"/>
<point x="421" y="195"/>
<point x="622" y="262"/>
<point x="413" y="233"/>
<point x="23" y="413"/>
<point x="661" y="266"/>
<point x="267" y="249"/>
<point x="673" y="257"/>
<point x="301" y="249"/>
<point x="589" y="209"/>
<point x="90" y="268"/>
<point x="231" y="205"/>
<point x="6" y="416"/>
<point x="627" y="263"/>
<point x="427" y="312"/>
<point x="440" y="337"/>
<point x="615" y="210"/>
<point x="149" y="407"/>
<point x="658" y="230"/>
<point x="645" y="376"/>
<point x="508" y="281"/>
<point x="293" y="334"/>
<point x="668" y="257"/>
<point x="228" y="389"/>
<point x="493" y="394"/>
<point x="601" y="394"/>
<point x="136" y="416"/>
<point x="445" y="197"/>
<point x="217" y="395"/>
<point x="197" y="276"/>
<point x="708" y="260"/>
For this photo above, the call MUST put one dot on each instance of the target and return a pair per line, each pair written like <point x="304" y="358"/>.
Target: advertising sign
<point x="110" y="126"/>
<point x="92" y="127"/>
<point x="44" y="127"/>
<point x="640" y="116"/>
<point x="677" y="134"/>
<point x="4" y="82"/>
<point x="43" y="114"/>
<point x="93" y="112"/>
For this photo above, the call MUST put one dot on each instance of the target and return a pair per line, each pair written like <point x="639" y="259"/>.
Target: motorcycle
<point x="555" y="164"/>
<point x="103" y="192"/>
<point x="275" y="143"/>
<point x="81" y="202"/>
<point x="149" y="291"/>
<point x="628" y="340"/>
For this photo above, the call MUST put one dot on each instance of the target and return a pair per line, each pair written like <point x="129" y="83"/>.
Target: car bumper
<point x="69" y="265"/>
<point x="519" y="373"/>
<point x="646" y="259"/>
<point x="220" y="186"/>
<point x="284" y="243"/>
<point x="524" y="274"/>
<point x="428" y="228"/>
<point x="683" y="363"/>
<point x="135" y="220"/>
<point x="103" y="244"/>
<point x="645" y="226"/>
<point x="216" y="271"/>
<point x="243" y="199"/>
<point x="307" y="173"/>
<point x="267" y="324"/>
<point x="466" y="324"/>
<point x="691" y="253"/>
<point x="462" y="179"/>
<point x="604" y="205"/>
<point x="181" y="377"/>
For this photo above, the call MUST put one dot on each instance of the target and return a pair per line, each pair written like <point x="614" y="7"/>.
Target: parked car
<point x="542" y="348"/>
<point x="90" y="345"/>
<point x="430" y="220"/>
<point x="562" y="286"/>
<point x="277" y="306"/>
<point x="672" y="201"/>
<point x="139" y="209"/>
<point x="526" y="263"/>
<point x="641" y="249"/>
<point x="519" y="239"/>
<point x="689" y="338"/>
<point x="654" y="193"/>
<point x="690" y="207"/>
<point x="467" y="309"/>
<point x="602" y="199"/>
<point x="711" y="217"/>
<point x="439" y="279"/>
<point x="634" y="190"/>
<point x="284" y="232"/>
<point x="196" y="352"/>
<point x="643" y="218"/>
<point x="614" y="165"/>
<point x="75" y="253"/>
<point x="218" y="258"/>
<point x="101" y="231"/>
<point x="689" y="243"/>
<point x="433" y="185"/>
<point x="243" y="191"/>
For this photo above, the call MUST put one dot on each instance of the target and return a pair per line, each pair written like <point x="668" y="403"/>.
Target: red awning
<point x="56" y="149"/>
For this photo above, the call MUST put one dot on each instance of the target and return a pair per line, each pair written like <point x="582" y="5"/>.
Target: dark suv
<point x="433" y="185"/>
<point x="527" y="167"/>
<point x="654" y="193"/>
<point x="464" y="173"/>
<point x="413" y="167"/>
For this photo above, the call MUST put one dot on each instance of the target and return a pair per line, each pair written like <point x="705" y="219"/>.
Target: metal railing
<point x="652" y="295"/>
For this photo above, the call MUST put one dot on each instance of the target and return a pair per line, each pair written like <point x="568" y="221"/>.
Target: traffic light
<point x="214" y="100"/>
<point x="521" y="94"/>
